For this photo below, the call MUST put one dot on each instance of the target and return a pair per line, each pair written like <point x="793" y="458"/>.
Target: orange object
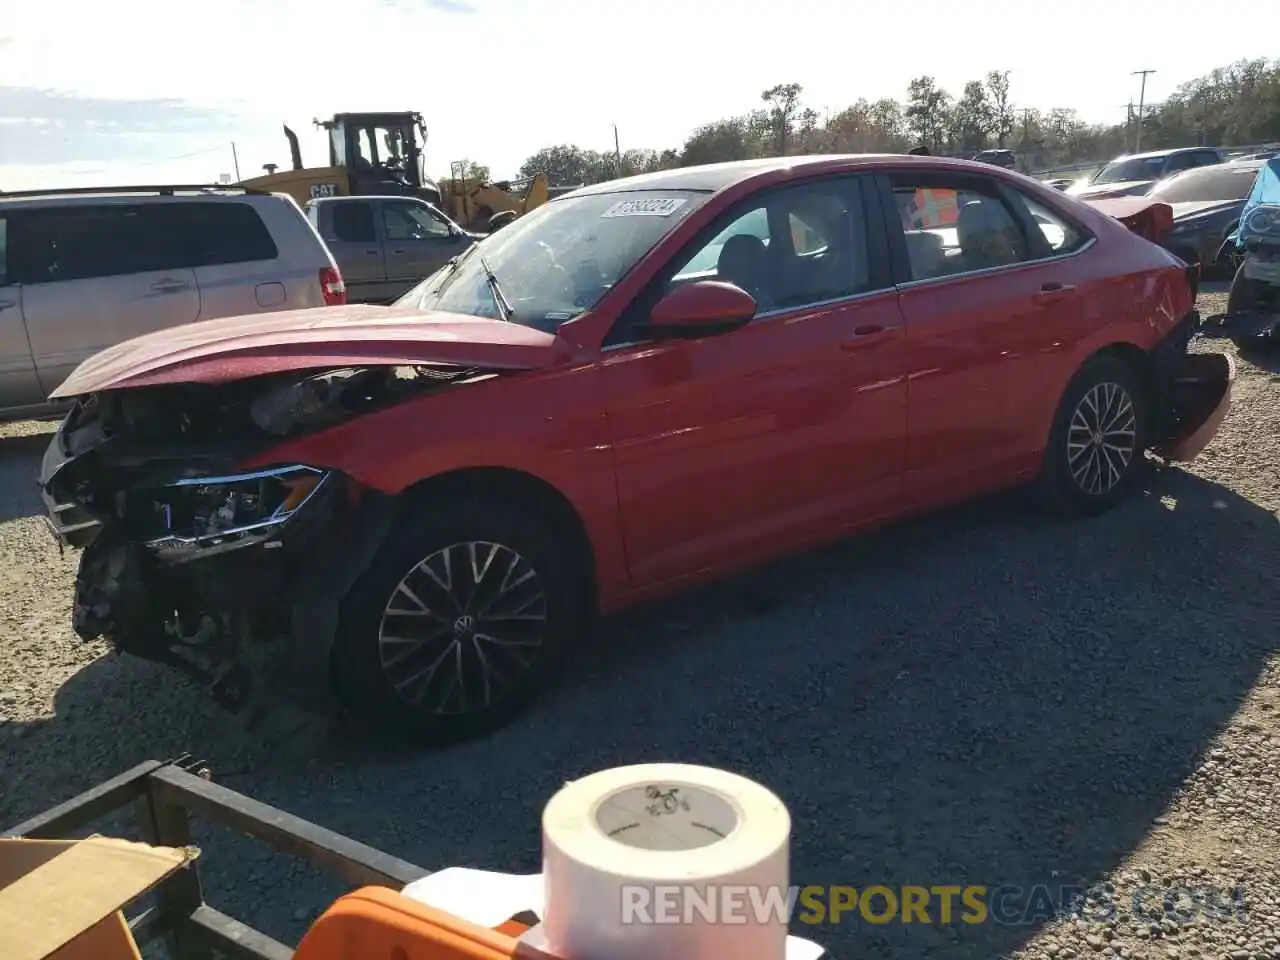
<point x="375" y="923"/>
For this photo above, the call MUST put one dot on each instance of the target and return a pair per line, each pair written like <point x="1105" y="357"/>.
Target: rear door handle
<point x="169" y="286"/>
<point x="867" y="335"/>
<point x="398" y="253"/>
<point x="6" y="304"/>
<point x="1052" y="292"/>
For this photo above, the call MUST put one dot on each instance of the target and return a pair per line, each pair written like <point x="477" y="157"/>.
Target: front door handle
<point x="867" y="335"/>
<point x="6" y="304"/>
<point x="169" y="286"/>
<point x="1052" y="292"/>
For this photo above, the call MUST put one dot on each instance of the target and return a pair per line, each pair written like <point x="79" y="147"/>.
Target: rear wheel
<point x="458" y="625"/>
<point x="1096" y="446"/>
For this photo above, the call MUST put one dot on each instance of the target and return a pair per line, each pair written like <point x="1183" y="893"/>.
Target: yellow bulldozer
<point x="380" y="154"/>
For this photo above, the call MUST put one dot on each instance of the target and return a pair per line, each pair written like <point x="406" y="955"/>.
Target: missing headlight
<point x="200" y="516"/>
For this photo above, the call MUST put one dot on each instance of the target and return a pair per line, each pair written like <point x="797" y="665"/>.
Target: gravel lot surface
<point x="982" y="697"/>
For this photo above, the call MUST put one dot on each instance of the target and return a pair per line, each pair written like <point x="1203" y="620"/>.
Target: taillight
<point x="333" y="287"/>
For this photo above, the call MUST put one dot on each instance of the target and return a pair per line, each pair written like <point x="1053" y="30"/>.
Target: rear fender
<point x="1150" y="219"/>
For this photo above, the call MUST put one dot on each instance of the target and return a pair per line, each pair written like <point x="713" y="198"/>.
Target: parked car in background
<point x="385" y="245"/>
<point x="1206" y="206"/>
<point x="1134" y="175"/>
<point x="998" y="158"/>
<point x="83" y="269"/>
<point x="426" y="504"/>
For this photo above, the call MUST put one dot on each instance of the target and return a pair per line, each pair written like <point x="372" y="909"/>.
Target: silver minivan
<point x="82" y="270"/>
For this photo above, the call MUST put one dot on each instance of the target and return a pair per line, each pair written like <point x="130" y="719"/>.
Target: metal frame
<point x="164" y="796"/>
<point x="166" y="190"/>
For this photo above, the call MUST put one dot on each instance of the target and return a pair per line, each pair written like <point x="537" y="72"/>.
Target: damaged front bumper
<point x="232" y="577"/>
<point x="1192" y="393"/>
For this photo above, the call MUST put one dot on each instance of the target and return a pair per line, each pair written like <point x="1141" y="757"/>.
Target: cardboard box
<point x="62" y="899"/>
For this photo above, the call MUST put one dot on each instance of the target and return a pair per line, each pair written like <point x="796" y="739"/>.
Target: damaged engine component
<point x="190" y="560"/>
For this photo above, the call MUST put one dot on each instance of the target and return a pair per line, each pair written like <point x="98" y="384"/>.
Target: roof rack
<point x="166" y="190"/>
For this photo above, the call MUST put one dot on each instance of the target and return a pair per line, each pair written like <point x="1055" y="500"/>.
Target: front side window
<point x="792" y="248"/>
<point x="4" y="251"/>
<point x="556" y="262"/>
<point x="959" y="227"/>
<point x="412" y="221"/>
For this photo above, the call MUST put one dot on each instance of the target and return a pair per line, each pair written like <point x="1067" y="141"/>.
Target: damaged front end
<point x="232" y="575"/>
<point x="1192" y="392"/>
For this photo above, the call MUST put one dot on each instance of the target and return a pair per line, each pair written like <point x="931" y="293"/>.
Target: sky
<point x="157" y="91"/>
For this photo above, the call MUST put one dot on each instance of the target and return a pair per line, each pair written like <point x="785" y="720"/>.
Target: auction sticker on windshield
<point x="645" y="208"/>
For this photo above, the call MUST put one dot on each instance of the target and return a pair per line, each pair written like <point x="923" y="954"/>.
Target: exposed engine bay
<point x="192" y="562"/>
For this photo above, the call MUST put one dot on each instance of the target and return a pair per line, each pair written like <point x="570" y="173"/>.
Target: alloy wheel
<point x="1102" y="438"/>
<point x="462" y="628"/>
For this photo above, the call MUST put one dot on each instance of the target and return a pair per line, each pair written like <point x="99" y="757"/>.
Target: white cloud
<point x="498" y="79"/>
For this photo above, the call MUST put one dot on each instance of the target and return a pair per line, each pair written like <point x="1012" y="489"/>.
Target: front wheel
<point x="458" y="624"/>
<point x="1097" y="442"/>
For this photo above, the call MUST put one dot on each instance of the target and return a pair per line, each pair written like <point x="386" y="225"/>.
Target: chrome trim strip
<point x="240" y="477"/>
<point x="771" y="314"/>
<point x="993" y="271"/>
<point x="249" y="533"/>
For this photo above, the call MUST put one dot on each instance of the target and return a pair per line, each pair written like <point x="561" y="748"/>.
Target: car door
<point x="349" y="229"/>
<point x="416" y="241"/>
<point x="95" y="275"/>
<point x="744" y="445"/>
<point x="990" y="297"/>
<point x="19" y="385"/>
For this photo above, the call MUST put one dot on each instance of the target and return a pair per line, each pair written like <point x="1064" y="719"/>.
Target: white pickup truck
<point x="385" y="245"/>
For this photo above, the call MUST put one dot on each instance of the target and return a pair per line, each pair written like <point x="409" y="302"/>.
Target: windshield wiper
<point x="452" y="263"/>
<point x="504" y="306"/>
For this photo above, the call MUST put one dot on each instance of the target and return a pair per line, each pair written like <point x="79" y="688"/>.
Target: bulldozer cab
<point x="381" y="151"/>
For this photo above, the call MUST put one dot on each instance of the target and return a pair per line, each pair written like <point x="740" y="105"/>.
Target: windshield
<point x="558" y="261"/>
<point x="1223" y="181"/>
<point x="1145" y="168"/>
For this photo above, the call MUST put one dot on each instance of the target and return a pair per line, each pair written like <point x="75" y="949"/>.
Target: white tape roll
<point x="665" y="861"/>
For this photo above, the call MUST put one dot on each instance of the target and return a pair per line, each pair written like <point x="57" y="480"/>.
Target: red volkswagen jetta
<point x="636" y="387"/>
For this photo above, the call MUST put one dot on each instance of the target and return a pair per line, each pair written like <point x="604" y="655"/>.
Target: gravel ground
<point x="982" y="697"/>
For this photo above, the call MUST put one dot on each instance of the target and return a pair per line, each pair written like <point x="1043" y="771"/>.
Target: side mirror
<point x="704" y="308"/>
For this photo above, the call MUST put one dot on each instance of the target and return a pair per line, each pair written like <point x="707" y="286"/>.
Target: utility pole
<point x="617" y="150"/>
<point x="1142" y="99"/>
<point x="235" y="160"/>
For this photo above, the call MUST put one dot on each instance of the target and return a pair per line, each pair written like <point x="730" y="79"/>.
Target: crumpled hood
<point x="1196" y="208"/>
<point x="234" y="348"/>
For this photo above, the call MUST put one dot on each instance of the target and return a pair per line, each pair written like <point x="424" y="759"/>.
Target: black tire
<point x="1245" y="293"/>
<point x="524" y="662"/>
<point x="1089" y="479"/>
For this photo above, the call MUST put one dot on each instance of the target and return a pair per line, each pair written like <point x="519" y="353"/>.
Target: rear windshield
<point x="1222" y="181"/>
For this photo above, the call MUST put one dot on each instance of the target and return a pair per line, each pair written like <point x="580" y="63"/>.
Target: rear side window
<point x="353" y="222"/>
<point x="1062" y="236"/>
<point x="4" y="251"/>
<point x="219" y="233"/>
<point x="83" y="242"/>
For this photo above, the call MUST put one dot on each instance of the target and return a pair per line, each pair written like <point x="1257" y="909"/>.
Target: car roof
<point x="714" y="177"/>
<point x="161" y="194"/>
<point x="1155" y="154"/>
